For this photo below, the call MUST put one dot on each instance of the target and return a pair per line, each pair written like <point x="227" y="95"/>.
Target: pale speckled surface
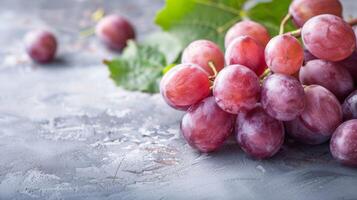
<point x="66" y="132"/>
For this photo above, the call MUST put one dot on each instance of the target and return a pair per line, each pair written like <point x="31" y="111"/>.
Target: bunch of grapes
<point x="264" y="89"/>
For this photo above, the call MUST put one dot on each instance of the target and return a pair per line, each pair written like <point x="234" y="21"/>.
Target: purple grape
<point x="236" y="88"/>
<point x="350" y="64"/>
<point x="246" y="51"/>
<point x="343" y="145"/>
<point x="205" y="126"/>
<point x="349" y="106"/>
<point x="321" y="116"/>
<point x="41" y="45"/>
<point x="284" y="54"/>
<point x="330" y="75"/>
<point x="185" y="85"/>
<point x="201" y="52"/>
<point x="300" y="132"/>
<point x="308" y="56"/>
<point x="328" y="37"/>
<point x="247" y="28"/>
<point x="258" y="134"/>
<point x="282" y="97"/>
<point x="303" y="10"/>
<point x="114" y="31"/>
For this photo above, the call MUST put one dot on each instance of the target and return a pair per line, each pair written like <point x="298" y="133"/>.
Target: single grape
<point x="244" y="50"/>
<point x="284" y="54"/>
<point x="114" y="31"/>
<point x="328" y="37"/>
<point x="247" y="28"/>
<point x="330" y="75"/>
<point x="185" y="85"/>
<point x="349" y="106"/>
<point x="258" y="134"/>
<point x="303" y="10"/>
<point x="282" y="97"/>
<point x="308" y="56"/>
<point x="41" y="45"/>
<point x="304" y="134"/>
<point x="350" y="64"/>
<point x="201" y="52"/>
<point x="343" y="145"/>
<point x="321" y="116"/>
<point x="236" y="88"/>
<point x="205" y="126"/>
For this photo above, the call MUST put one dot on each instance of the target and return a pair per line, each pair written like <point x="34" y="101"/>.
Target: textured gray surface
<point x="66" y="132"/>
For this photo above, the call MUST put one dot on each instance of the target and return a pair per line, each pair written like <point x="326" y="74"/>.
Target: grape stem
<point x="214" y="70"/>
<point x="265" y="74"/>
<point x="283" y="23"/>
<point x="297" y="33"/>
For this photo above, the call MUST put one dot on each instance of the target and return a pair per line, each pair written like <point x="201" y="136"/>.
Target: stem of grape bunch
<point x="297" y="33"/>
<point x="214" y="70"/>
<point x="283" y="23"/>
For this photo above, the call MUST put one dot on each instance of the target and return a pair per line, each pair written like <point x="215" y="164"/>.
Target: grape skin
<point x="321" y="116"/>
<point x="205" y="126"/>
<point x="185" y="85"/>
<point x="282" y="97"/>
<point x="114" y="31"/>
<point x="328" y="37"/>
<point x="304" y="134"/>
<point x="201" y="52"/>
<point x="236" y="88"/>
<point x="349" y="106"/>
<point x="284" y="54"/>
<point x="247" y="28"/>
<point x="343" y="145"/>
<point x="41" y="45"/>
<point x="244" y="50"/>
<point x="330" y="75"/>
<point x="303" y="10"/>
<point x="308" y="56"/>
<point x="258" y="134"/>
<point x="350" y="64"/>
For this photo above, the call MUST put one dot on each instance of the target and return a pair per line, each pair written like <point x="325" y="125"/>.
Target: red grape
<point x="205" y="126"/>
<point x="282" y="97"/>
<point x="349" y="106"/>
<point x="330" y="75"/>
<point x="236" y="88"/>
<point x="343" y="143"/>
<point x="247" y="28"/>
<point x="350" y="64"/>
<point x="115" y="31"/>
<point x="304" y="134"/>
<point x="258" y="134"/>
<point x="185" y="85"/>
<point x="328" y="37"/>
<point x="244" y="50"/>
<point x="201" y="52"/>
<point x="303" y="10"/>
<point x="41" y="45"/>
<point x="284" y="54"/>
<point x="321" y="116"/>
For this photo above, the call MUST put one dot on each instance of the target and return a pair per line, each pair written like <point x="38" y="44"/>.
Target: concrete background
<point x="67" y="132"/>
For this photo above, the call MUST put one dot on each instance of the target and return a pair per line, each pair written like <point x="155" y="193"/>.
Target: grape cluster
<point x="265" y="89"/>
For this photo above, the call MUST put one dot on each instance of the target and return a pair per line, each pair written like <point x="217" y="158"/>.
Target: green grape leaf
<point x="166" y="43"/>
<point x="270" y="14"/>
<point x="190" y="20"/>
<point x="199" y="19"/>
<point x="139" y="68"/>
